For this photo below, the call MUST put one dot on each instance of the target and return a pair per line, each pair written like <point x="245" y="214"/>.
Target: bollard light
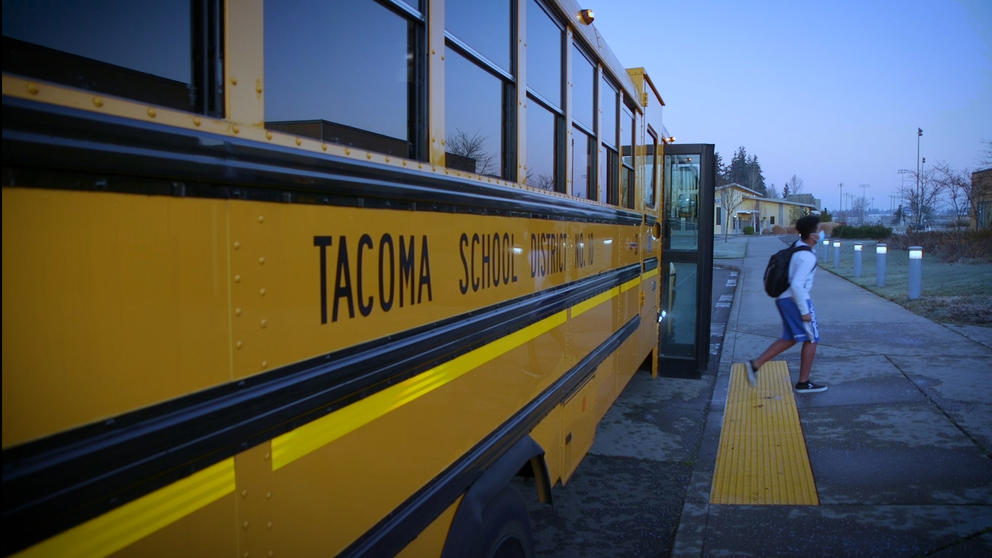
<point x="915" y="271"/>
<point x="880" y="250"/>
<point x="837" y="254"/>
<point x="823" y="248"/>
<point x="857" y="259"/>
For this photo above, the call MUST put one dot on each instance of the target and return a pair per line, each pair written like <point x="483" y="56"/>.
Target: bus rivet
<point x="268" y="525"/>
<point x="347" y="151"/>
<point x="261" y="218"/>
<point x="265" y="364"/>
<point x="323" y="146"/>
<point x="237" y="311"/>
<point x="239" y="343"/>
<point x="261" y="260"/>
<point x="237" y="278"/>
<point x="197" y="121"/>
<point x="368" y="156"/>
<point x="237" y="245"/>
<point x="151" y="112"/>
<point x="271" y="553"/>
<point x="245" y="524"/>
<point x="263" y="323"/>
<point x="261" y="291"/>
<point x="268" y="495"/>
<point x="268" y="135"/>
<point x="234" y="81"/>
<point x="299" y="141"/>
<point x="267" y="457"/>
<point x="244" y="492"/>
<point x="258" y="86"/>
<point x="98" y="101"/>
<point x="235" y="129"/>
<point x="33" y="88"/>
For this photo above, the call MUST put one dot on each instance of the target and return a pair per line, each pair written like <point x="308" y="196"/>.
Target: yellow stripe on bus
<point x="585" y="305"/>
<point x="114" y="530"/>
<point x="632" y="284"/>
<point x="650" y="274"/>
<point x="299" y="442"/>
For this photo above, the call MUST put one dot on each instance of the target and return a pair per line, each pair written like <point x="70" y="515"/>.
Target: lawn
<point x="958" y="293"/>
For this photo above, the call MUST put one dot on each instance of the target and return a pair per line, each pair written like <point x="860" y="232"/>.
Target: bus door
<point x="687" y="259"/>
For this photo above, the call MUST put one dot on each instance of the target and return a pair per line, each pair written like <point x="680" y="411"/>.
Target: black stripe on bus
<point x="47" y="146"/>
<point x="60" y="481"/>
<point x="398" y="528"/>
<point x="650" y="263"/>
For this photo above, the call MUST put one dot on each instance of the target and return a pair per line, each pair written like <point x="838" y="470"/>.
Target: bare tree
<point x="959" y="189"/>
<point x="473" y="148"/>
<point x="730" y="200"/>
<point x="772" y="192"/>
<point x="921" y="198"/>
<point x="795" y="185"/>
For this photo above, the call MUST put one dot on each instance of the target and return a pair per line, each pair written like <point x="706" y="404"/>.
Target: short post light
<point x="836" y="254"/>
<point x="825" y="245"/>
<point x="858" y="248"/>
<point x="915" y="271"/>
<point x="880" y="250"/>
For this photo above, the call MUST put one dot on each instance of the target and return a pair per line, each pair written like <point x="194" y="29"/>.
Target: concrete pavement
<point x="900" y="445"/>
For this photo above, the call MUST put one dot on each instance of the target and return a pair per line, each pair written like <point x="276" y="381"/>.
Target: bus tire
<point x="506" y="531"/>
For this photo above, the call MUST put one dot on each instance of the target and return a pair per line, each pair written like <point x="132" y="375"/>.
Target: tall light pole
<point x="841" y="199"/>
<point x="919" y="134"/>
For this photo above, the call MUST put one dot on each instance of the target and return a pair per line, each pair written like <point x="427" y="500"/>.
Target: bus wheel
<point x="506" y="527"/>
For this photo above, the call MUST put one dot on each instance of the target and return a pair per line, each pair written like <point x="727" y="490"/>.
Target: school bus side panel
<point x="119" y="297"/>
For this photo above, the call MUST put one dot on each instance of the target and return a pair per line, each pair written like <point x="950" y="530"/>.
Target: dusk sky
<point x="832" y="92"/>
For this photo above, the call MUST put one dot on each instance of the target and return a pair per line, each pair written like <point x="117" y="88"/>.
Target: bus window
<point x="608" y="101"/>
<point x="582" y="174"/>
<point x="146" y="51"/>
<point x="544" y="106"/>
<point x="583" y="87"/>
<point x="650" y="168"/>
<point x="627" y="148"/>
<point x="473" y="117"/>
<point x="303" y="86"/>
<point x="484" y="27"/>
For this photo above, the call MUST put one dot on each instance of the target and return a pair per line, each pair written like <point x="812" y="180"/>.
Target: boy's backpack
<point x="777" y="271"/>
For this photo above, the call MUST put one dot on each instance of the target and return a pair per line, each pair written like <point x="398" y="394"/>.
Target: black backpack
<point x="777" y="271"/>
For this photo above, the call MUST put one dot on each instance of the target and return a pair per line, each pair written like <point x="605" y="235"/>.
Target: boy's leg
<point x="806" y="361"/>
<point x="772" y="351"/>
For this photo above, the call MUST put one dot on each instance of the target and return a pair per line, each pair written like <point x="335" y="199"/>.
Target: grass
<point x="957" y="293"/>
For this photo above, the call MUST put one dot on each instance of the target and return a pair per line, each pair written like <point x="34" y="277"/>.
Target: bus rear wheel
<point x="506" y="527"/>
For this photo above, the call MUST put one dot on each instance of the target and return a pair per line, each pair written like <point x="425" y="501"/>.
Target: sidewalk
<point x="900" y="445"/>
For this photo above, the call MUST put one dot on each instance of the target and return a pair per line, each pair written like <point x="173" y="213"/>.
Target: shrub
<point x="948" y="246"/>
<point x="749" y="230"/>
<point x="876" y="232"/>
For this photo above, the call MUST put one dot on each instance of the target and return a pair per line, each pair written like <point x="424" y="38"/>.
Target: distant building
<point x="981" y="184"/>
<point x="806" y="199"/>
<point x="736" y="207"/>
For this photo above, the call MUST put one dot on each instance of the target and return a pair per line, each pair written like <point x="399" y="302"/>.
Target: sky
<point x="832" y="92"/>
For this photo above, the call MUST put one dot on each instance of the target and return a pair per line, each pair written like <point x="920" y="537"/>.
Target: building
<point x="746" y="207"/>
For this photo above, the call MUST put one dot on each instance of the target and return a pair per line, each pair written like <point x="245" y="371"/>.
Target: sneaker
<point x="752" y="372"/>
<point x="809" y="387"/>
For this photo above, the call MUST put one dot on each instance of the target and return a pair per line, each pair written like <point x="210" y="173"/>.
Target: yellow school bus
<point x="307" y="278"/>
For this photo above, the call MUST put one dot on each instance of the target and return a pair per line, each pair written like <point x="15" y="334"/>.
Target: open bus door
<point x="687" y="259"/>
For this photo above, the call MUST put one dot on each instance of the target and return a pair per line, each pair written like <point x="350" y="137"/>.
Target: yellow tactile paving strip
<point x="762" y="457"/>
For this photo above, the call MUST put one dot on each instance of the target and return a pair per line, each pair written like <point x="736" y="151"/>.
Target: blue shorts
<point x="792" y="321"/>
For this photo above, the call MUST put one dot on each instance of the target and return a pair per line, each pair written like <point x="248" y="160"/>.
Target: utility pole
<point x="916" y="210"/>
<point x="841" y="185"/>
<point x="864" y="202"/>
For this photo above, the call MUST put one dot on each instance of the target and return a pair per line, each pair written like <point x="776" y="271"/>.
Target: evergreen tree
<point x="746" y="171"/>
<point x="722" y="171"/>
